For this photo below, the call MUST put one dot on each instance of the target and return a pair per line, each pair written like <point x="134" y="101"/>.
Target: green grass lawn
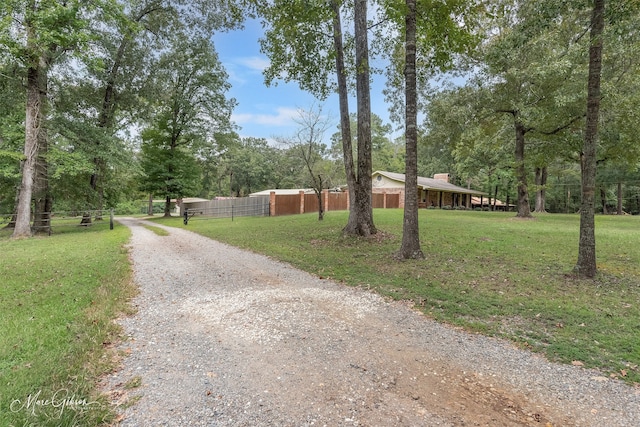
<point x="58" y="298"/>
<point x="485" y="271"/>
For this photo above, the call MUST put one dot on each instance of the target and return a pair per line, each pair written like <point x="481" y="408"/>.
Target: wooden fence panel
<point x="393" y="201"/>
<point x="377" y="200"/>
<point x="338" y="201"/>
<point x="287" y="204"/>
<point x="311" y="203"/>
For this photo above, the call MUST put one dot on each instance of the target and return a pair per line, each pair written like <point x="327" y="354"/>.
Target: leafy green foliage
<point x="445" y="30"/>
<point x="298" y="40"/>
<point x="104" y="92"/>
<point x="169" y="171"/>
<point x="532" y="69"/>
<point x="30" y="30"/>
<point x="386" y="154"/>
<point x="188" y="114"/>
<point x="251" y="166"/>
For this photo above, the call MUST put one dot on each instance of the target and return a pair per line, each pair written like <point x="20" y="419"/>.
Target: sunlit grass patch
<point x="59" y="297"/>
<point x="157" y="230"/>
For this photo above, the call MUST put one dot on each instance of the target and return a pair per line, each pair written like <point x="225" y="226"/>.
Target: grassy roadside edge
<point x="83" y="283"/>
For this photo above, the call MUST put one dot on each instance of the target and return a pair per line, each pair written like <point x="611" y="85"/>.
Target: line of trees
<point x="104" y="99"/>
<point x="553" y="82"/>
<point x="78" y="76"/>
<point x="536" y="76"/>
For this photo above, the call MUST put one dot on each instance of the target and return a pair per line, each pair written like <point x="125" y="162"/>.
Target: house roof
<point x="431" y="183"/>
<point x="476" y="201"/>
<point x="282" y="191"/>
<point x="184" y="200"/>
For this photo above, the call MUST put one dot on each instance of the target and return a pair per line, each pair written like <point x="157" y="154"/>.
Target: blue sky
<point x="269" y="112"/>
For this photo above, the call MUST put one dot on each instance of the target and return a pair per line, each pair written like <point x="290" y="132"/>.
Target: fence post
<point x="325" y="200"/>
<point x="272" y="203"/>
<point x="111" y="219"/>
<point x="301" y="194"/>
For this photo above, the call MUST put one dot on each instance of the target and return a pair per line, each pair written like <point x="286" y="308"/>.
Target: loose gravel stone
<point x="226" y="337"/>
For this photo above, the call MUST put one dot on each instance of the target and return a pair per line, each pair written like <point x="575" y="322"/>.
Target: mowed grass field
<point x="59" y="296"/>
<point x="487" y="272"/>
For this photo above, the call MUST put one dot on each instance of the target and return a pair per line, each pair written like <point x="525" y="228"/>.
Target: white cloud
<point x="284" y="117"/>
<point x="255" y="63"/>
<point x="241" y="118"/>
<point x="242" y="70"/>
<point x="234" y="77"/>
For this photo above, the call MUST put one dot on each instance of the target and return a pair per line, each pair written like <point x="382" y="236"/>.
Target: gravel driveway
<point x="225" y="337"/>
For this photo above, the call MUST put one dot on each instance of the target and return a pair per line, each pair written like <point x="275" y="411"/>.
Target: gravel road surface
<point x="226" y="337"/>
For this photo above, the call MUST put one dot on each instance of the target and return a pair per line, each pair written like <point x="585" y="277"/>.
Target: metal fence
<point x="226" y="208"/>
<point x="41" y="221"/>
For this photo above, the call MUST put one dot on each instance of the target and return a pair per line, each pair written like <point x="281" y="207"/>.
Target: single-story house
<point x="489" y="203"/>
<point x="283" y="192"/>
<point x="435" y="192"/>
<point x="177" y="203"/>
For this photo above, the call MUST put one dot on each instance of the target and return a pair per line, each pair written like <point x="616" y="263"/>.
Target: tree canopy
<point x="104" y="102"/>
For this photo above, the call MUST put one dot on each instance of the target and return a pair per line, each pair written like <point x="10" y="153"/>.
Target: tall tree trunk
<point x="524" y="210"/>
<point x="541" y="192"/>
<point x="364" y="211"/>
<point x="619" y="210"/>
<point x="319" y="196"/>
<point x="489" y="173"/>
<point x="410" y="247"/>
<point x="345" y="122"/>
<point x="86" y="218"/>
<point x="43" y="202"/>
<point x="167" y="207"/>
<point x="603" y="200"/>
<point x="586" y="265"/>
<point x="33" y="125"/>
<point x="105" y="121"/>
<point x="150" y="205"/>
<point x="107" y="111"/>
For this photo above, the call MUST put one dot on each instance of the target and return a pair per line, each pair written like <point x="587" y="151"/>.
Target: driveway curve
<point x="226" y="337"/>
